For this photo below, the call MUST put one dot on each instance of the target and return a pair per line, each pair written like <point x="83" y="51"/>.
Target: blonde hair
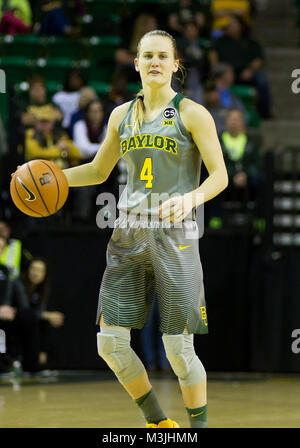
<point x="138" y="109"/>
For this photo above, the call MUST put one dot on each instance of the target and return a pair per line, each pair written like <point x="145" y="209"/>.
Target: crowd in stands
<point x="214" y="41"/>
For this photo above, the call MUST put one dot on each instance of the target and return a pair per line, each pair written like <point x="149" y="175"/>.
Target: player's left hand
<point x="176" y="208"/>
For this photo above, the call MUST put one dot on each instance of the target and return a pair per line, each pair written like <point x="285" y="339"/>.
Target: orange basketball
<point x="39" y="188"/>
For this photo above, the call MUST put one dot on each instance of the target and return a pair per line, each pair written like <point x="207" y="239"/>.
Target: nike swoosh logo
<point x="31" y="196"/>
<point x="196" y="415"/>
<point x="184" y="247"/>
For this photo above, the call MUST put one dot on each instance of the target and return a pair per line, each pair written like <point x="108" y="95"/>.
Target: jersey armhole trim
<point x="177" y="100"/>
<point x="126" y="115"/>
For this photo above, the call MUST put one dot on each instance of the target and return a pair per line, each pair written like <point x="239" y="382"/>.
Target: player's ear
<point x="176" y="65"/>
<point x="136" y="64"/>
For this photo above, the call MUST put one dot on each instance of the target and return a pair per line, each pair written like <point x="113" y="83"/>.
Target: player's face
<point x="156" y="62"/>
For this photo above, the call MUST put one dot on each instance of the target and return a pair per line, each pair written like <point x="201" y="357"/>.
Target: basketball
<point x="39" y="188"/>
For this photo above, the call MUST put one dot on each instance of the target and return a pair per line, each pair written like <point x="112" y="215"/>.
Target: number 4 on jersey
<point x="146" y="173"/>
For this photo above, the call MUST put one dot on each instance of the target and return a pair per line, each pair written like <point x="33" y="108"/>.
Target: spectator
<point x="15" y="17"/>
<point x="194" y="57"/>
<point x="24" y="316"/>
<point x="37" y="97"/>
<point x="36" y="282"/>
<point x="21" y="116"/>
<point x="7" y="313"/>
<point x="223" y="75"/>
<point x="43" y="141"/>
<point x="88" y="135"/>
<point x="12" y="303"/>
<point x="222" y="10"/>
<point x="118" y="93"/>
<point x="51" y="19"/>
<point x="241" y="153"/>
<point x="245" y="55"/>
<point x="125" y="55"/>
<point x="67" y="99"/>
<point x="14" y="256"/>
<point x="212" y="102"/>
<point x="87" y="94"/>
<point x="243" y="162"/>
<point x="185" y="12"/>
<point x="90" y="132"/>
<point x="5" y="287"/>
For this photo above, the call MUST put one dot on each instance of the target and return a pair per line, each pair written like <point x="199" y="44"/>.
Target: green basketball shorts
<point x="145" y="261"/>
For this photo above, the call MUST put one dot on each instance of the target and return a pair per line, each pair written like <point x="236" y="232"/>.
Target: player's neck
<point x="157" y="98"/>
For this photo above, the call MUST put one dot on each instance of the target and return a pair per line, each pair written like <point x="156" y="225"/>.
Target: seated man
<point x="241" y="153"/>
<point x="243" y="162"/>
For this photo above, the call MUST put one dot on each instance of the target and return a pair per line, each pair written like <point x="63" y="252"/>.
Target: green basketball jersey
<point x="162" y="159"/>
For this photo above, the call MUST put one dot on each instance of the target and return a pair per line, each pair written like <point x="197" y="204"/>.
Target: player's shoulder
<point x="118" y="114"/>
<point x="189" y="106"/>
<point x="191" y="112"/>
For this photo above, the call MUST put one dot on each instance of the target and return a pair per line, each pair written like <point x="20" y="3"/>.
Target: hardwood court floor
<point x="235" y="401"/>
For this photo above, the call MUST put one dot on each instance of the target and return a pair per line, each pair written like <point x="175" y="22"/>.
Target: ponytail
<point x="138" y="111"/>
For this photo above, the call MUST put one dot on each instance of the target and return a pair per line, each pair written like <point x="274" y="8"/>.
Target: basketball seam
<point x="23" y="201"/>
<point x="56" y="183"/>
<point x="38" y="188"/>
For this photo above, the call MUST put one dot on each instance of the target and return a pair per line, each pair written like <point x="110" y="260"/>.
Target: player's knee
<point x="114" y="348"/>
<point x="183" y="359"/>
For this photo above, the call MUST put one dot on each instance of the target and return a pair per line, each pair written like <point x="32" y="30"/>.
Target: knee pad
<point x="113" y="345"/>
<point x="183" y="359"/>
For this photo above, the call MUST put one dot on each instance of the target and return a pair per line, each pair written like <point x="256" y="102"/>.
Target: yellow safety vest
<point x="235" y="146"/>
<point x="11" y="257"/>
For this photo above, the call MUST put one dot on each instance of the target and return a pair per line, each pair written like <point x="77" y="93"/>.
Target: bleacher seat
<point x="60" y="47"/>
<point x="28" y="45"/>
<point x="16" y="68"/>
<point x="101" y="17"/>
<point x="101" y="48"/>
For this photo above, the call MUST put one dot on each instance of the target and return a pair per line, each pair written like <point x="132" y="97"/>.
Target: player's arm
<point x="98" y="170"/>
<point x="201" y="125"/>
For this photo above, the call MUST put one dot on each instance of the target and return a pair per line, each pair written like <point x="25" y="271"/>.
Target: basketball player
<point x="162" y="137"/>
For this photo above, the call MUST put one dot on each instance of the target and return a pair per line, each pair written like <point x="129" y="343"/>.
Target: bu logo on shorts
<point x="169" y="112"/>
